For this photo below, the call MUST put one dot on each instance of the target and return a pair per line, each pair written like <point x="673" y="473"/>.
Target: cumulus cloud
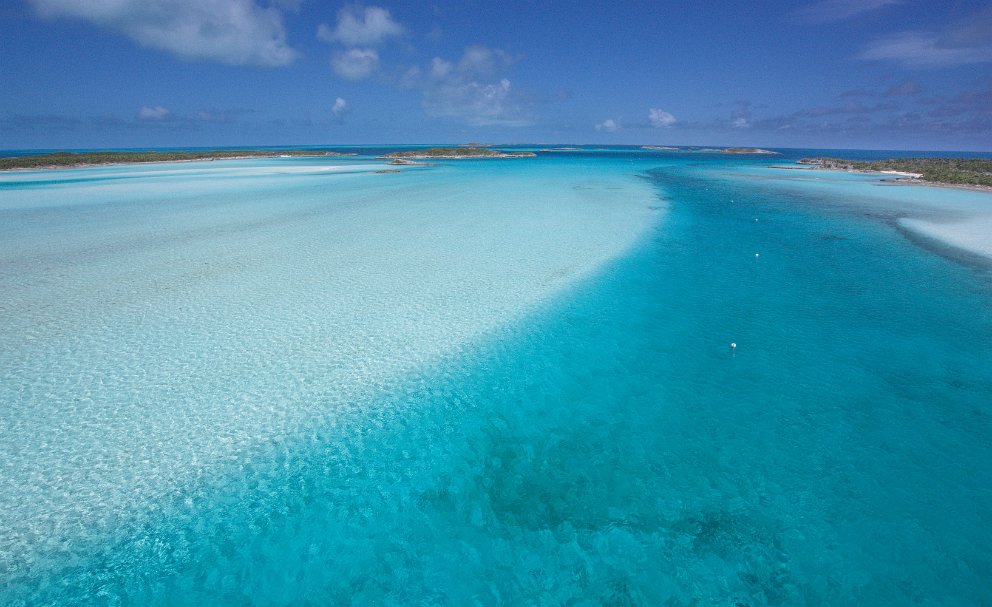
<point x="826" y="11"/>
<point x="356" y="63"/>
<point x="483" y="62"/>
<point x="361" y="28"/>
<point x="660" y="118"/>
<point x="237" y="32"/>
<point x="154" y="113"/>
<point x="340" y="105"/>
<point x="473" y="89"/>
<point x="609" y="125"/>
<point x="360" y="31"/>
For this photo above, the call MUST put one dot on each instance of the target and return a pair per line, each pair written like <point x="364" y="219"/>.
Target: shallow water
<point x="553" y="414"/>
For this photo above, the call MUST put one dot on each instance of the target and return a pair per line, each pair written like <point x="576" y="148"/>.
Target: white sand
<point x="159" y="330"/>
<point x="973" y="235"/>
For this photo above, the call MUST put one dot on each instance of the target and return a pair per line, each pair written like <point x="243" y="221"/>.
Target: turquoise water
<point x="488" y="383"/>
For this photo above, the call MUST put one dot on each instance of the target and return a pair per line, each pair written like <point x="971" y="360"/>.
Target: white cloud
<point x="153" y="113"/>
<point x="920" y="49"/>
<point x="483" y="62"/>
<point x="740" y="118"/>
<point x="826" y="11"/>
<point x="237" y="32"/>
<point x="355" y="63"/>
<point x="361" y="28"/>
<point x="609" y="125"/>
<point x="289" y="5"/>
<point x="477" y="103"/>
<point x="961" y="43"/>
<point x="440" y="68"/>
<point x="340" y="105"/>
<point x="473" y="89"/>
<point x="660" y="118"/>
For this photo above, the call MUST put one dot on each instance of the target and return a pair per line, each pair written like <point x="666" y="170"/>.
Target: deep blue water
<point x="608" y="447"/>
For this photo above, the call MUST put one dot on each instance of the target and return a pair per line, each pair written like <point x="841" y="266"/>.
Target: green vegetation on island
<point x="457" y="153"/>
<point x="59" y="160"/>
<point x="953" y="171"/>
<point x="700" y="150"/>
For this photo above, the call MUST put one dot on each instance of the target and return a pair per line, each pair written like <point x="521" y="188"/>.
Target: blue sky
<point x="877" y="74"/>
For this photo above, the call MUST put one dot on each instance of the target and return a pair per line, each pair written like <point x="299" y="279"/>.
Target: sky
<point x="867" y="74"/>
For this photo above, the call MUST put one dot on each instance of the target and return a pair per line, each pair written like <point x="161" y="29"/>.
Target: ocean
<point x="297" y="381"/>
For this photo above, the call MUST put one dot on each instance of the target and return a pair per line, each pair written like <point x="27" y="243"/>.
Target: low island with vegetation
<point x="68" y="160"/>
<point x="747" y="151"/>
<point x="974" y="172"/>
<point x="456" y="153"/>
<point x="702" y="150"/>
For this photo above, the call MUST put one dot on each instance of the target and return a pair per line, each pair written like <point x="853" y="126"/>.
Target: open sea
<point x="297" y="381"/>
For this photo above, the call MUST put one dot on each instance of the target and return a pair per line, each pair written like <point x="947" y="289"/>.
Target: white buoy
<point x="757" y="254"/>
<point x="733" y="345"/>
<point x="755" y="220"/>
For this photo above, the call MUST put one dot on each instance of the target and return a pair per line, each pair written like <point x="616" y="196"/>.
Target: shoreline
<point x="903" y="178"/>
<point x="422" y="157"/>
<point x="967" y="235"/>
<point x="87" y="165"/>
<point x="937" y="184"/>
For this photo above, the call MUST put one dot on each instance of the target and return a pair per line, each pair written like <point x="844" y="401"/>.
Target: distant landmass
<point x="66" y="160"/>
<point x="457" y="153"/>
<point x="951" y="171"/>
<point x="747" y="151"/>
<point x="699" y="150"/>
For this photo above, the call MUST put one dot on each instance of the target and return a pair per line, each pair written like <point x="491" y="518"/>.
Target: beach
<point x="957" y="216"/>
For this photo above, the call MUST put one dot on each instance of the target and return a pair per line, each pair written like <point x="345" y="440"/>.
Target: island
<point x="959" y="172"/>
<point x="456" y="153"/>
<point x="69" y="160"/>
<point x="747" y="151"/>
<point x="692" y="149"/>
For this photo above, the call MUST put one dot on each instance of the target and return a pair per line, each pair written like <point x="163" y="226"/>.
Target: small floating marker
<point x="756" y="255"/>
<point x="733" y="346"/>
<point x="755" y="220"/>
